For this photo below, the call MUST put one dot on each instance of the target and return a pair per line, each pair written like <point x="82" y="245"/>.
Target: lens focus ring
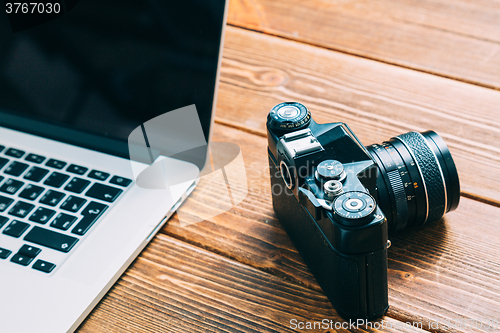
<point x="399" y="194"/>
<point x="427" y="163"/>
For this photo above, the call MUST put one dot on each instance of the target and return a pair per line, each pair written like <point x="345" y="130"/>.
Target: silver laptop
<point x="78" y="81"/>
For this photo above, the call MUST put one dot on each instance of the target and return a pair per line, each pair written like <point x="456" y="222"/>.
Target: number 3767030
<point x="32" y="8"/>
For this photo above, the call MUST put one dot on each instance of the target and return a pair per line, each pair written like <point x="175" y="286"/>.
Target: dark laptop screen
<point x="104" y="67"/>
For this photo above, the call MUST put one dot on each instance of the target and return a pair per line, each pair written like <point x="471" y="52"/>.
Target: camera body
<point x="323" y="183"/>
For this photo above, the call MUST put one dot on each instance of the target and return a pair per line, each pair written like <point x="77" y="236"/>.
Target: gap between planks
<point x="396" y="314"/>
<point x="378" y="59"/>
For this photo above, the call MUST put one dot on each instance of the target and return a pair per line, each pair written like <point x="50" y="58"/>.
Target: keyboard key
<point x="120" y="181"/>
<point x="29" y="251"/>
<point x="79" y="170"/>
<point x="16" y="168"/>
<point x="31" y="192"/>
<point x="16" y="228"/>
<point x="14" y="152"/>
<point x="103" y="192"/>
<point x="51" y="239"/>
<point x="98" y="175"/>
<point x="77" y="185"/>
<point x="36" y="174"/>
<point x="3" y="220"/>
<point x="44" y="266"/>
<point x="11" y="186"/>
<point x="52" y="198"/>
<point x="4" y="253"/>
<point x="42" y="215"/>
<point x="3" y="161"/>
<point x="63" y="221"/>
<point x="2" y="148"/>
<point x="35" y="158"/>
<point x="91" y="213"/>
<point x="21" y="209"/>
<point x="56" y="179"/>
<point x="73" y="204"/>
<point x="21" y="260"/>
<point x="5" y="203"/>
<point x="55" y="164"/>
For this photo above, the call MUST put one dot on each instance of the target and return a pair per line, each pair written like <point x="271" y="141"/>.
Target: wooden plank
<point x="457" y="39"/>
<point x="176" y="287"/>
<point x="378" y="101"/>
<point x="447" y="270"/>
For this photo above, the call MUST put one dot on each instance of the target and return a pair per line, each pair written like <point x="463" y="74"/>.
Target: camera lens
<point x="418" y="180"/>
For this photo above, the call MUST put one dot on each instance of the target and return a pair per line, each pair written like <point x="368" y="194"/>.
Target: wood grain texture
<point x="238" y="271"/>
<point x="447" y="270"/>
<point x="176" y="287"/>
<point x="456" y="39"/>
<point x="378" y="101"/>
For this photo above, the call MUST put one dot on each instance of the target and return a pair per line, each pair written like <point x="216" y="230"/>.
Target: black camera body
<point x="324" y="186"/>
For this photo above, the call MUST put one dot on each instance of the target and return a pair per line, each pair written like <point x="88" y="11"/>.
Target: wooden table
<point x="385" y="67"/>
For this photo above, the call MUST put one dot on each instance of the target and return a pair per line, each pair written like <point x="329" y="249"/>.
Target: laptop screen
<point x="91" y="71"/>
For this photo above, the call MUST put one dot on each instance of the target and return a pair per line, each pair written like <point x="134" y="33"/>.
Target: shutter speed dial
<point x="354" y="208"/>
<point x="330" y="170"/>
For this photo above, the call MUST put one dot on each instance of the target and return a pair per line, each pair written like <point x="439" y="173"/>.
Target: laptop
<point x="78" y="81"/>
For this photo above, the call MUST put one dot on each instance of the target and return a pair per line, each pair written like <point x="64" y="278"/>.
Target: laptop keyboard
<point x="49" y="205"/>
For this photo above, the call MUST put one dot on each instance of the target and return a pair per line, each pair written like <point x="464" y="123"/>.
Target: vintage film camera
<point x="338" y="199"/>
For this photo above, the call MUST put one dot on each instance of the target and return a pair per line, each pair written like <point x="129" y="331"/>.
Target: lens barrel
<point x="418" y="180"/>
